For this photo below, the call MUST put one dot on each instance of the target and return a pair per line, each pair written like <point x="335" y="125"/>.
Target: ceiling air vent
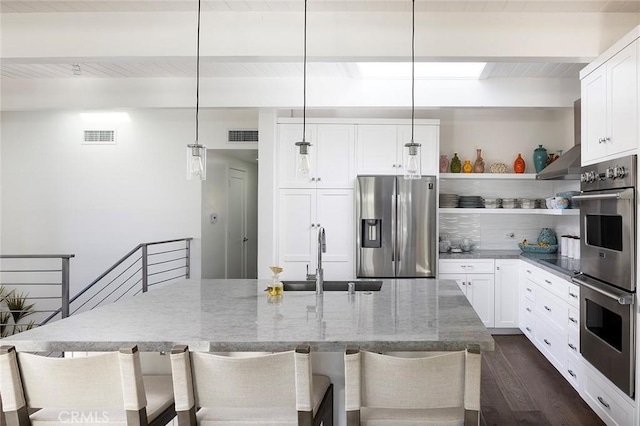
<point x="243" y="136"/>
<point x="99" y="137"/>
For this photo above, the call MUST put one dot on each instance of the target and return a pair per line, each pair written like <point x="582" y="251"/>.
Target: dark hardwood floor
<point x="520" y="387"/>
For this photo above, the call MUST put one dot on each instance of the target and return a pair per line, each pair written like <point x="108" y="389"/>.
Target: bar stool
<point x="441" y="388"/>
<point x="275" y="389"/>
<point x="106" y="389"/>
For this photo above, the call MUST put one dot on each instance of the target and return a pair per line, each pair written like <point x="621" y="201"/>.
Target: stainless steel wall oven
<point x="608" y="269"/>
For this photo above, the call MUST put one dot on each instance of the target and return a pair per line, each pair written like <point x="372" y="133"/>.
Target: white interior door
<point x="237" y="225"/>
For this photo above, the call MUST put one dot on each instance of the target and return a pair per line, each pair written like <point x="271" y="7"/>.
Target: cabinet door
<point x="335" y="156"/>
<point x="288" y="135"/>
<point x="428" y="137"/>
<point x="622" y="111"/>
<point x="297" y="237"/>
<point x="594" y="115"/>
<point x="480" y="291"/>
<point x="376" y="147"/>
<point x="335" y="213"/>
<point x="460" y="279"/>
<point x="506" y="313"/>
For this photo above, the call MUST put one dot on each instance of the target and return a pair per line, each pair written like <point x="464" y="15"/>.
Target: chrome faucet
<point x="319" y="275"/>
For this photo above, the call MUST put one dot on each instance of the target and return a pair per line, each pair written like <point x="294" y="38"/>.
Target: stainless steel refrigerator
<point x="396" y="227"/>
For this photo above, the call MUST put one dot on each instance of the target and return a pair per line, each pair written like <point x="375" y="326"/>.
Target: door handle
<point x="245" y="239"/>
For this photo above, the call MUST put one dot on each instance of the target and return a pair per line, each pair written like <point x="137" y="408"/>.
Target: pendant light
<point x="412" y="160"/>
<point x="196" y="153"/>
<point x="303" y="164"/>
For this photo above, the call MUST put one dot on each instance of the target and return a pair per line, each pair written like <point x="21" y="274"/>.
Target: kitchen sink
<point x="332" y="285"/>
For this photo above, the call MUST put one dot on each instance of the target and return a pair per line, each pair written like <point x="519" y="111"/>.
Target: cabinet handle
<point x="313" y="179"/>
<point x="399" y="166"/>
<point x="528" y="329"/>
<point x="572" y="346"/>
<point x="528" y="309"/>
<point x="393" y="165"/>
<point x="573" y="320"/>
<point x="528" y="271"/>
<point x="469" y="283"/>
<point x="573" y="295"/>
<point x="547" y="308"/>
<point x="572" y="373"/>
<point x="607" y="139"/>
<point x="529" y="290"/>
<point x="318" y="179"/>
<point x="603" y="402"/>
<point x="497" y="268"/>
<point x="548" y="282"/>
<point x="547" y="342"/>
<point x="313" y="225"/>
<point x="601" y="140"/>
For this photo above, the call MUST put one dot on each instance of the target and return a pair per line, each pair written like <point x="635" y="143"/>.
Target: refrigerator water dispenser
<point x="371" y="233"/>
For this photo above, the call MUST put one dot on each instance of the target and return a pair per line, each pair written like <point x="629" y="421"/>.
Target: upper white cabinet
<point x="380" y="148"/>
<point x="332" y="154"/>
<point x="610" y="107"/>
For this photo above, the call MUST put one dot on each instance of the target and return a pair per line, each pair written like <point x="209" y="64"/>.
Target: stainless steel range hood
<point x="567" y="166"/>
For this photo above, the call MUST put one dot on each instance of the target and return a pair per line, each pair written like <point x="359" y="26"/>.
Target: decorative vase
<point x="456" y="166"/>
<point x="444" y="164"/>
<point x="540" y="158"/>
<point x="467" y="168"/>
<point x="478" y="166"/>
<point x="519" y="165"/>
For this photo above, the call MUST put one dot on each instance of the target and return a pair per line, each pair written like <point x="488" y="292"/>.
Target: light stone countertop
<point x="236" y="315"/>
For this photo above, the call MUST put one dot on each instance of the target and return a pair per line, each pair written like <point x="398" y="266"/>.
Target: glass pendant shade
<point x="196" y="162"/>
<point x="412" y="161"/>
<point x="303" y="162"/>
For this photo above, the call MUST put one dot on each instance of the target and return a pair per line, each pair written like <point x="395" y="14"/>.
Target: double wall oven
<point x="608" y="269"/>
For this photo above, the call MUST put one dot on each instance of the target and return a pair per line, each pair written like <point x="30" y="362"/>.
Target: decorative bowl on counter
<point x="533" y="248"/>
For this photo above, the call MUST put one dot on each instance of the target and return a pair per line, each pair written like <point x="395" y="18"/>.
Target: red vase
<point x="519" y="165"/>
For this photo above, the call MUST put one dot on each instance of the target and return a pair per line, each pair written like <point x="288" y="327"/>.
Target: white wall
<point x="215" y="200"/>
<point x="97" y="202"/>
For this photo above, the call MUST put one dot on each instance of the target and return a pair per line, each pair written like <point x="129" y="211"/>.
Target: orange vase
<point x="467" y="167"/>
<point x="519" y="165"/>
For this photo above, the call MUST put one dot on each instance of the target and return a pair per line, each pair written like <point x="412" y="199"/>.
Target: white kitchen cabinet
<point x="476" y="280"/>
<point x="301" y="213"/>
<point x="610" y="107"/>
<point x="332" y="155"/>
<point x="608" y="402"/>
<point x="380" y="148"/>
<point x="506" y="292"/>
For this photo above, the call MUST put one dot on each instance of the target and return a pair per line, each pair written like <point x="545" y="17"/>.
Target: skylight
<point x="423" y="70"/>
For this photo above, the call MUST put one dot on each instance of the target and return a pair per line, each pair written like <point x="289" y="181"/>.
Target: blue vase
<point x="540" y="158"/>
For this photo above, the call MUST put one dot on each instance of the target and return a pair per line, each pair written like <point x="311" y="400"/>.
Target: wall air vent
<point x="99" y="137"/>
<point x="243" y="136"/>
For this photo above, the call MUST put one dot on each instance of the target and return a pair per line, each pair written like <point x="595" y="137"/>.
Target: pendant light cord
<point x="304" y="77"/>
<point x="198" y="73"/>
<point x="413" y="66"/>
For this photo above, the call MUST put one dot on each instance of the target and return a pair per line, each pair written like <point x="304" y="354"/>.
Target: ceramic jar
<point x="478" y="166"/>
<point x="467" y="167"/>
<point x="444" y="164"/>
<point x="456" y="166"/>
<point x="540" y="158"/>
<point x="519" y="165"/>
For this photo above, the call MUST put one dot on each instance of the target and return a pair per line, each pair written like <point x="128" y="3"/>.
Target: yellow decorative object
<point x="467" y="168"/>
<point x="276" y="287"/>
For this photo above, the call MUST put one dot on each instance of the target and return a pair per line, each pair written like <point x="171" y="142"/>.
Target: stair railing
<point x="146" y="265"/>
<point x="32" y="278"/>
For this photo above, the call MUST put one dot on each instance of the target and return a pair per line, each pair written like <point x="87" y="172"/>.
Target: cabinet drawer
<point x="573" y="371"/>
<point x="527" y="324"/>
<point x="529" y="290"/>
<point x="605" y="401"/>
<point x="573" y="295"/>
<point x="472" y="266"/>
<point x="552" y="310"/>
<point x="528" y="307"/>
<point x="573" y="321"/>
<point x="552" y="344"/>
<point x="573" y="343"/>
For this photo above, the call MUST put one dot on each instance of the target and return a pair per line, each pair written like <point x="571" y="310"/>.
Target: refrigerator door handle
<point x="394" y="227"/>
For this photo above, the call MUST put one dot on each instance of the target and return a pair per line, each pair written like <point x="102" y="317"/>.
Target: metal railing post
<point x="188" y="260"/>
<point x="145" y="269"/>
<point x="64" y="298"/>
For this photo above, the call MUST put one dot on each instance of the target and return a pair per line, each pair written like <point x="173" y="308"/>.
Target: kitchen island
<point x="238" y="315"/>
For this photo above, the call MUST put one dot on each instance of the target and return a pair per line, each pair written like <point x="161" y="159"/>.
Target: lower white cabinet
<point x="477" y="281"/>
<point x="605" y="399"/>
<point x="506" y="293"/>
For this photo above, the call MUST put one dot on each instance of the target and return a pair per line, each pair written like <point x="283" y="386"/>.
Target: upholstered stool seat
<point x="268" y="390"/>
<point x="106" y="389"/>
<point x="438" y="389"/>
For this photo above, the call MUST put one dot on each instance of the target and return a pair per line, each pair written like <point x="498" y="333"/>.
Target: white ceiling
<point x="545" y="6"/>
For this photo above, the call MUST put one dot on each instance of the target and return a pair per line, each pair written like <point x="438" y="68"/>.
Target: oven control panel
<point x="612" y="174"/>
